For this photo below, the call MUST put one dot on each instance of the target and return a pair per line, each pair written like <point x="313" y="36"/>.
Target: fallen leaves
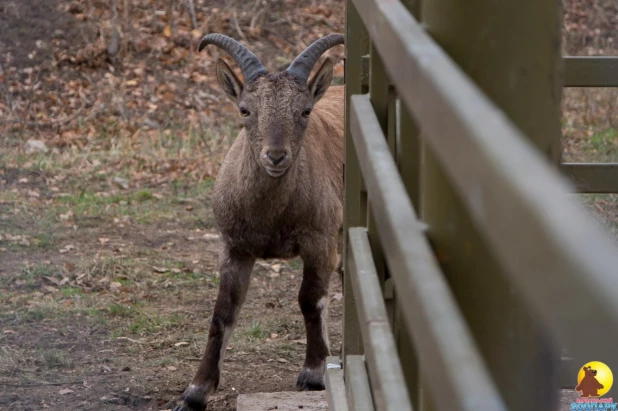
<point x="138" y="81"/>
<point x="18" y="239"/>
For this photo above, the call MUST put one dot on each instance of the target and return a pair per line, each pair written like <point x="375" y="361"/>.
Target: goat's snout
<point x="276" y="161"/>
<point x="276" y="156"/>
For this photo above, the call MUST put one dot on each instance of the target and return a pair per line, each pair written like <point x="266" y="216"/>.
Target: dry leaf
<point x="167" y="31"/>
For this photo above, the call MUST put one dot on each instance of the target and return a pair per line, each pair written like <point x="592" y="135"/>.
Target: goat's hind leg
<point x="318" y="265"/>
<point x="235" y="272"/>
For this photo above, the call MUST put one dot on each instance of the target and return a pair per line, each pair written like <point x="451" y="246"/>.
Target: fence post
<point x="356" y="45"/>
<point x="512" y="51"/>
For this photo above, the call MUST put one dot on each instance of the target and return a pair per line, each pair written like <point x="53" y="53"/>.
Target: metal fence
<point x="467" y="266"/>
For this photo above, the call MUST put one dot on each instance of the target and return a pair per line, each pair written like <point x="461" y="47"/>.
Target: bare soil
<point x="113" y="315"/>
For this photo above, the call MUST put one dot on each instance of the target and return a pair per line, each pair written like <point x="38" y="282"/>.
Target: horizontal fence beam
<point x="591" y="71"/>
<point x="579" y="71"/>
<point x="449" y="359"/>
<point x="548" y="246"/>
<point x="600" y="178"/>
<point x="385" y="373"/>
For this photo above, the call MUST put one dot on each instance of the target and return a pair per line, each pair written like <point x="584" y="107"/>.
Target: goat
<point x="278" y="194"/>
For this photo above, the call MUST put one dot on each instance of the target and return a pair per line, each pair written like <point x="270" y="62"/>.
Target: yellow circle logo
<point x="595" y="379"/>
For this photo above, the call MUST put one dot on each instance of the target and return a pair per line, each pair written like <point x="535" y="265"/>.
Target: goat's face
<point x="275" y="109"/>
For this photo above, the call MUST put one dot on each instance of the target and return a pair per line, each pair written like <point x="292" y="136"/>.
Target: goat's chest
<point x="265" y="232"/>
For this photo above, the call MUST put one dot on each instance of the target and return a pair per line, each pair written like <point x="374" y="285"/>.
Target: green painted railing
<point x="467" y="266"/>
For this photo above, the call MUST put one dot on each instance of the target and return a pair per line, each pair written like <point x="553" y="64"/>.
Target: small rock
<point x="111" y="400"/>
<point x="152" y="124"/>
<point x="121" y="182"/>
<point x="126" y="369"/>
<point x="36" y="146"/>
<point x="65" y="391"/>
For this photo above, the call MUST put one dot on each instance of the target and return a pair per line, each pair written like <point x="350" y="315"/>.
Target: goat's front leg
<point x="319" y="262"/>
<point x="235" y="272"/>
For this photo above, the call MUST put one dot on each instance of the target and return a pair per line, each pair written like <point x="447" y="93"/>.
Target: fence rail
<point x="591" y="71"/>
<point x="424" y="141"/>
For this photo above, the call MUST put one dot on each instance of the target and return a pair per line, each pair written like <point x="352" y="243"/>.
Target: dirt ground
<point x="108" y="272"/>
<point x="102" y="311"/>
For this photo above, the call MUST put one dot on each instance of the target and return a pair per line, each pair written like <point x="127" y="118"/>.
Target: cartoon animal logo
<point x="589" y="386"/>
<point x="594" y="380"/>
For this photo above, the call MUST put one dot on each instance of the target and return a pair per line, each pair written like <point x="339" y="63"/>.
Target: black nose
<point x="276" y="156"/>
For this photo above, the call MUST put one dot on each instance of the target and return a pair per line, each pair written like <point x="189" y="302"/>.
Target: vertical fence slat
<point x="379" y="96"/>
<point x="408" y="155"/>
<point x="357" y="384"/>
<point x="356" y="46"/>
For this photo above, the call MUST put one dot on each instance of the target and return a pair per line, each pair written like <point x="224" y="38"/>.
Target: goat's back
<point x="324" y="138"/>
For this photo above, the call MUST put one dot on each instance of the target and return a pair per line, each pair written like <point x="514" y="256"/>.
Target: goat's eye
<point x="244" y="112"/>
<point x="307" y="112"/>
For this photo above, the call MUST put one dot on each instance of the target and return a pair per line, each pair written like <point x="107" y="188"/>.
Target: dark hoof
<point x="310" y="380"/>
<point x="183" y="405"/>
<point x="193" y="399"/>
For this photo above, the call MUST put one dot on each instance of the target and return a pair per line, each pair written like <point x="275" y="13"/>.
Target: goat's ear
<point x="228" y="81"/>
<point x="321" y="81"/>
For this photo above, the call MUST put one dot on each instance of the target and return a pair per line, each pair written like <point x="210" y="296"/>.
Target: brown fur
<point x="298" y="212"/>
<point x="269" y="217"/>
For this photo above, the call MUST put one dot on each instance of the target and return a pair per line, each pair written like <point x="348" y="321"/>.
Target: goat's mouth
<point x="276" y="172"/>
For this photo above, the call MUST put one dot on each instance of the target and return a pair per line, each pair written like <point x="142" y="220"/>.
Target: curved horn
<point x="302" y="65"/>
<point x="248" y="62"/>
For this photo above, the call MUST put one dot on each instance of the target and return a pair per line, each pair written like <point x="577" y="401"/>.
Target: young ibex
<point x="279" y="194"/>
